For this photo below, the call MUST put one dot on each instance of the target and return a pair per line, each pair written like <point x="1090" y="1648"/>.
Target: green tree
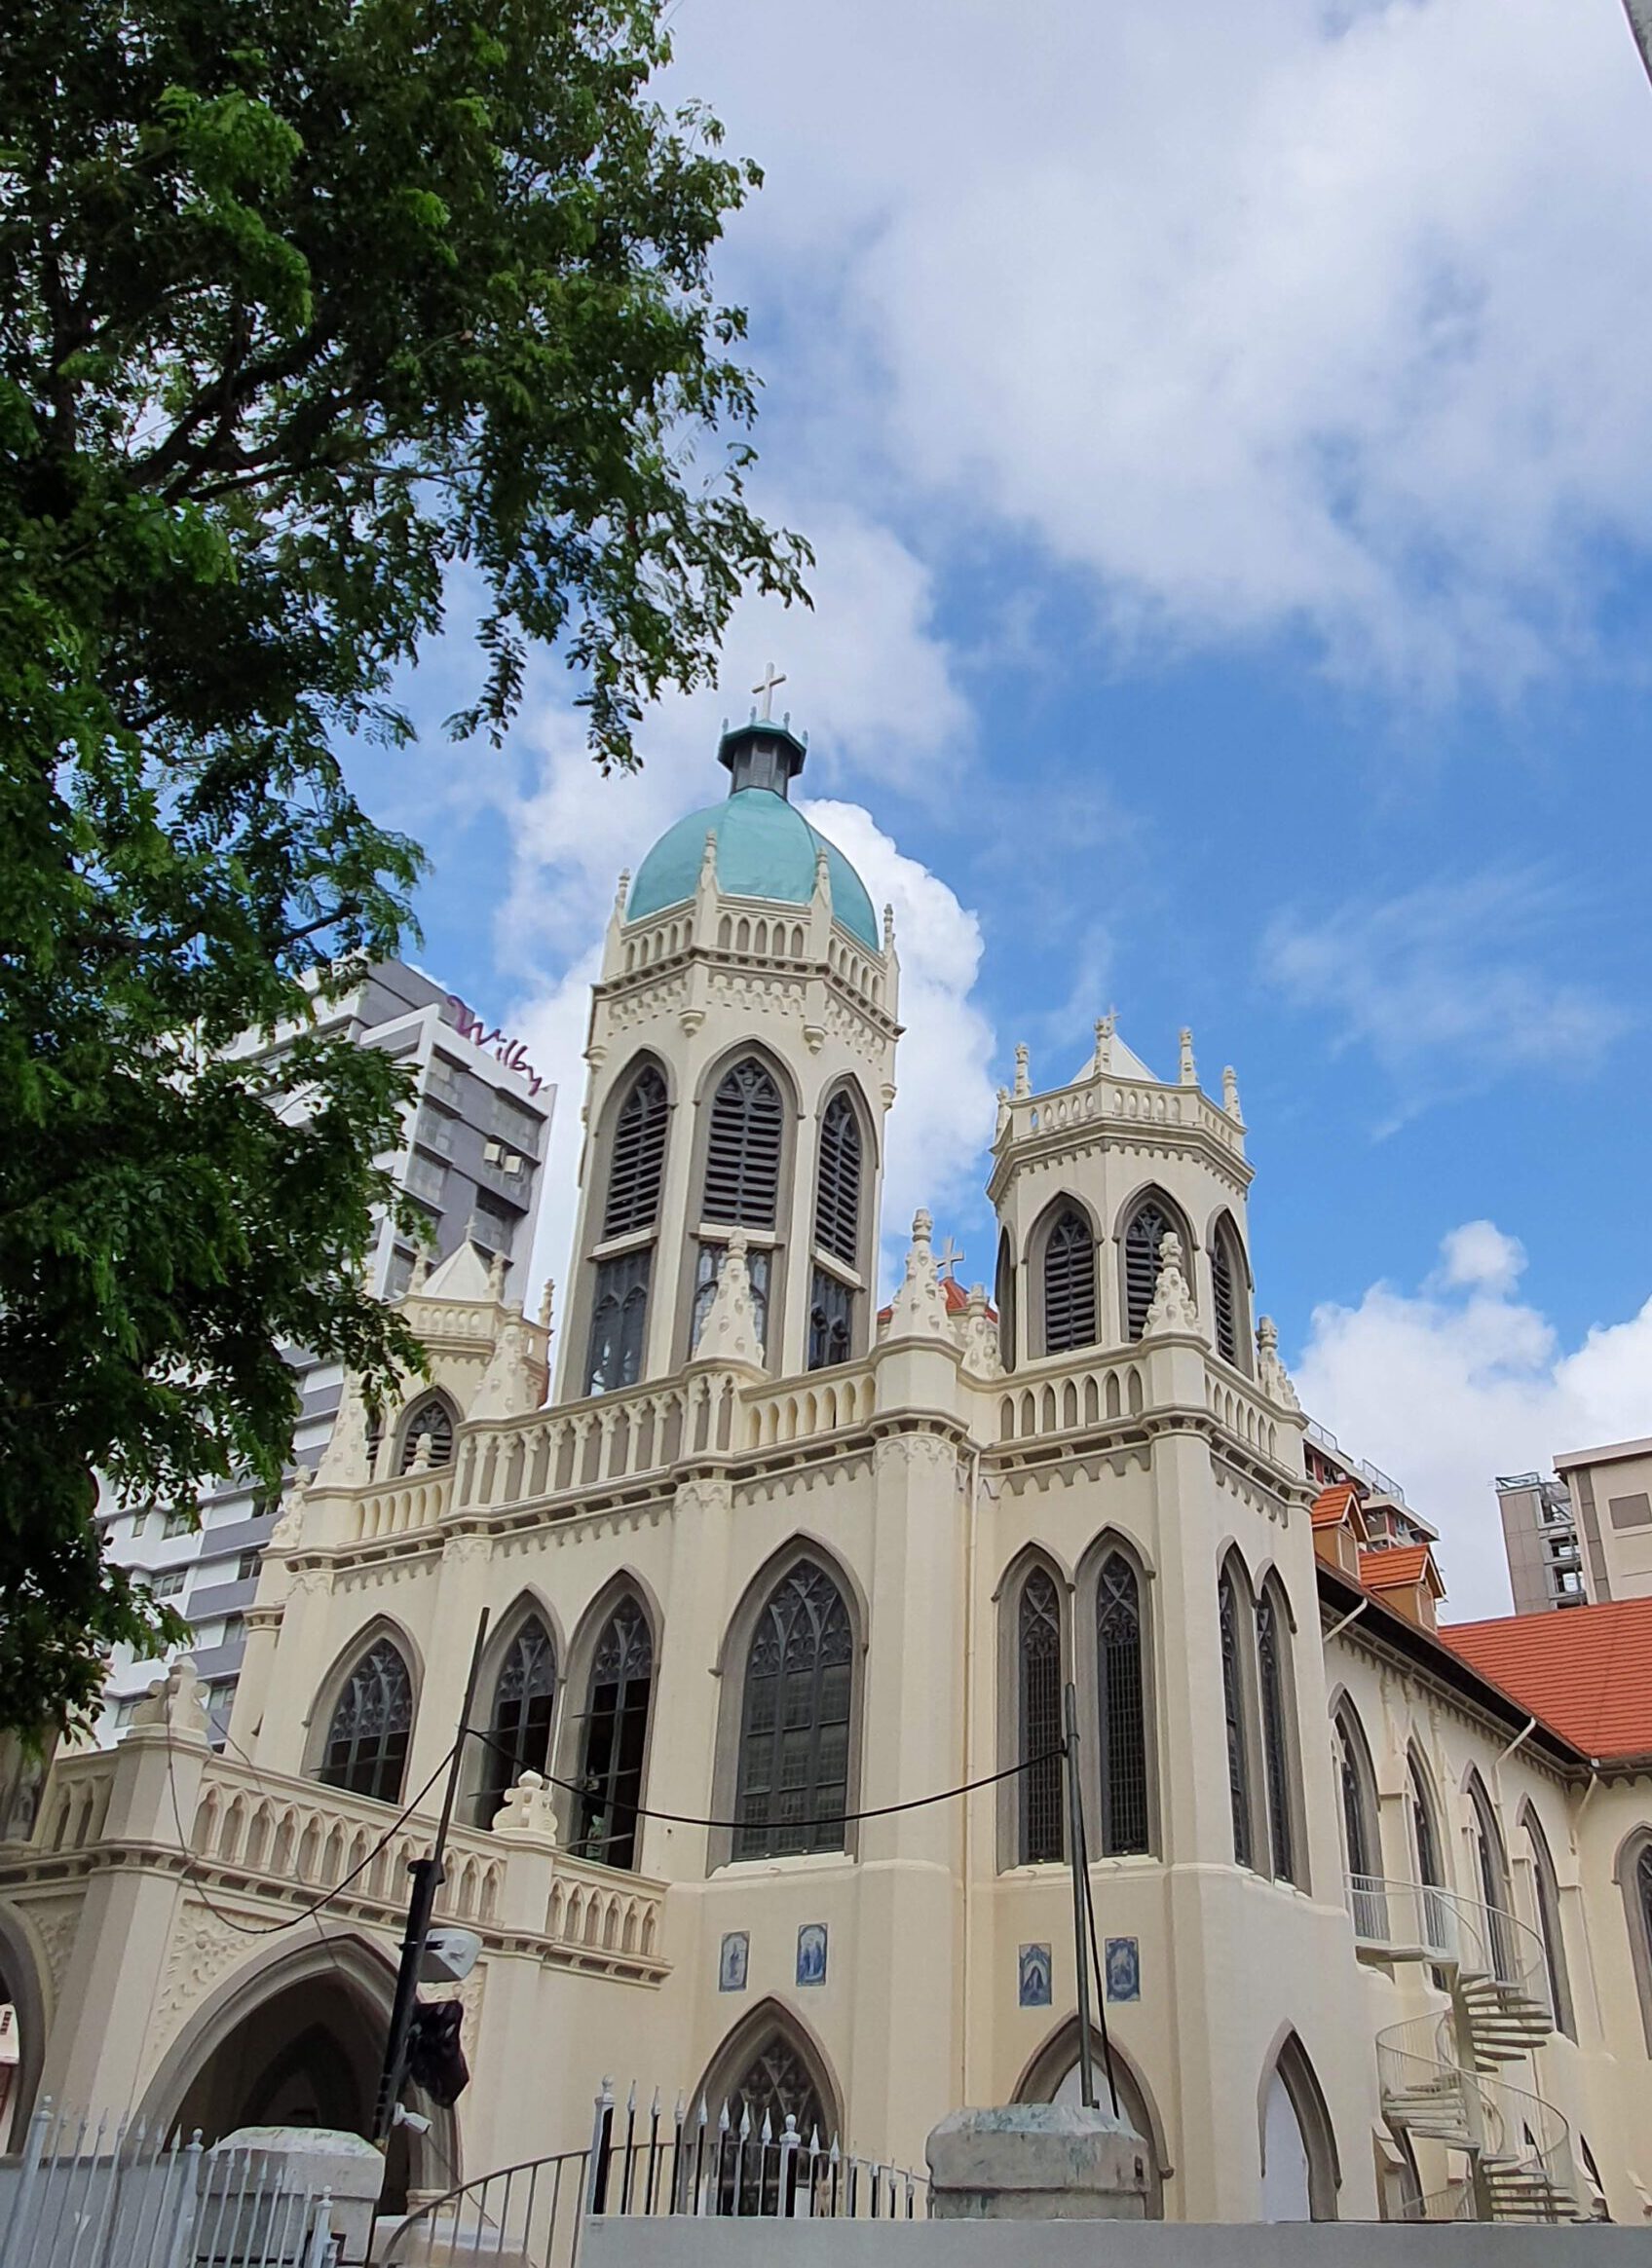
<point x="317" y="317"/>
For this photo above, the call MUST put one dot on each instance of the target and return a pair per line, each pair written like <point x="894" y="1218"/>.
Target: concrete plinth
<point x="1036" y="2161"/>
<point x="313" y="2158"/>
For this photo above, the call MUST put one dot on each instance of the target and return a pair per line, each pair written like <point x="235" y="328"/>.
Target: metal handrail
<point x="1447" y="1928"/>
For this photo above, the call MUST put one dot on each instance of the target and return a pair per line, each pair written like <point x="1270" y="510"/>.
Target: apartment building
<point x="473" y="1154"/>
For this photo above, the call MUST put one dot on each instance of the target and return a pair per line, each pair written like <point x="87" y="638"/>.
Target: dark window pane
<point x="830" y="1321"/>
<point x="1276" y="1744"/>
<point x="794" y="1724"/>
<point x="519" y="1730"/>
<point x="619" y="1323"/>
<point x="1124" y="1724"/>
<point x="1233" y="1711"/>
<point x="1038" y="1642"/>
<point x="616" y="1737"/>
<point x="366" y="1749"/>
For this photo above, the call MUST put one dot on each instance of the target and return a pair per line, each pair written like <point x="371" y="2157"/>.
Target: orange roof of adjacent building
<point x="1585" y="1670"/>
<point x="955" y="1298"/>
<point x="1332" y="1505"/>
<point x="1400" y="1564"/>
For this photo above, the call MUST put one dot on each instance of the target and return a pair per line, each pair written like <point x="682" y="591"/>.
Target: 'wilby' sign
<point x="512" y="1053"/>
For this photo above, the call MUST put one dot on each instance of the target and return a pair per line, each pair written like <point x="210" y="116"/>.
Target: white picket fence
<point x="112" y="2194"/>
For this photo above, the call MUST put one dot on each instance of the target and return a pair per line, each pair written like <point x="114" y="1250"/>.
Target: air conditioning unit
<point x="513" y="1164"/>
<point x="491" y="1152"/>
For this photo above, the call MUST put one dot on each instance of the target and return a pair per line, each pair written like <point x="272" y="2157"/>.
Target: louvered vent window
<point x="1141" y="1240"/>
<point x="1038" y="1638"/>
<point x="837" y="1194"/>
<point x="742" y="1159"/>
<point x="1224" y="1291"/>
<point x="1275" y="1737"/>
<point x="638" y="1158"/>
<point x="1069" y="1284"/>
<point x="432" y="1422"/>
<point x="1233" y="1711"/>
<point x="1124" y="1722"/>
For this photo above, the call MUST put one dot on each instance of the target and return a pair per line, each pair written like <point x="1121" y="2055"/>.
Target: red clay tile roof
<point x="1331" y="1506"/>
<point x="1585" y="1670"/>
<point x="1400" y="1564"/>
<point x="955" y="1295"/>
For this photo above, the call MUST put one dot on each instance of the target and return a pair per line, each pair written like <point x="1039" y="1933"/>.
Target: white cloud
<point x="1269" y="316"/>
<point x="877" y="690"/>
<point x="1449" y="1386"/>
<point x="1445" y="984"/>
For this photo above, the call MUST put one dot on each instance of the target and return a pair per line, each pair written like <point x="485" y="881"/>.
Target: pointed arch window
<point x="615" y="1741"/>
<point x="1070" y="1283"/>
<point x="1271" y="1642"/>
<point x="1234" y="1713"/>
<point x="519" y="1724"/>
<point x="619" y="1323"/>
<point x="1038" y="1653"/>
<point x="830" y="1321"/>
<point x="1149" y="1224"/>
<point x="636" y="1163"/>
<point x="1492" y="1873"/>
<point x="777" y="2086"/>
<point x="1547" y="1888"/>
<point x="1361" y="1839"/>
<point x="1003" y="1299"/>
<point x="742" y="1157"/>
<point x="793" y="1785"/>
<point x="1227" y="1296"/>
<point x="1431" y="1872"/>
<point x="432" y="1422"/>
<point x="1640" y="1904"/>
<point x="1120" y="1690"/>
<point x="837" y="1188"/>
<point x="372" y="1724"/>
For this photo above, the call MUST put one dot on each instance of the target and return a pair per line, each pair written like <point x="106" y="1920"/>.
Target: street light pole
<point x="426" y="1874"/>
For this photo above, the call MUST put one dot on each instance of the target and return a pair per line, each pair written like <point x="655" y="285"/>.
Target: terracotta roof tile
<point x="1585" y="1670"/>
<point x="1331" y="1506"/>
<point x="955" y="1298"/>
<point x="1400" y="1564"/>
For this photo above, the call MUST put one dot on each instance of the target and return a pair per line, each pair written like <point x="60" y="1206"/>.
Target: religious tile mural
<point x="735" y="1957"/>
<point x="812" y="1954"/>
<point x="1034" y="1976"/>
<point x="1123" y="1968"/>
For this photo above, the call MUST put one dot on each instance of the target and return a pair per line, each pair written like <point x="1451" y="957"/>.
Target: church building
<point x="764" y="1568"/>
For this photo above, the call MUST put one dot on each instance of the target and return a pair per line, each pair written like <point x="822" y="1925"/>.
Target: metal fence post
<point x="786" y="2189"/>
<point x="34" y="2148"/>
<point x="602" y="2131"/>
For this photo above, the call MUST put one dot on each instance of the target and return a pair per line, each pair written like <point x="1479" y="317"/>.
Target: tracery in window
<point x="1119" y="1686"/>
<point x="1276" y="1733"/>
<point x="1236" y="1717"/>
<point x="830" y="1321"/>
<point x="1038" y="1656"/>
<point x="792" y="1782"/>
<point x="372" y="1724"/>
<point x="429" y="1423"/>
<point x="617" y="1695"/>
<point x="519" y="1722"/>
<point x="618" y="1322"/>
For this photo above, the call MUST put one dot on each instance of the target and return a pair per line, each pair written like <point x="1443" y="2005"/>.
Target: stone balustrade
<point x="825" y="1405"/>
<point x="395" y="1507"/>
<point x="1108" y="1101"/>
<point x="76" y="1808"/>
<point x="1079" y="1393"/>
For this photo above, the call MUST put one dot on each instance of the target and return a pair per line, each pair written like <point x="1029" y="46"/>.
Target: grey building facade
<point x="1540" y="1539"/>
<point x="472" y="1153"/>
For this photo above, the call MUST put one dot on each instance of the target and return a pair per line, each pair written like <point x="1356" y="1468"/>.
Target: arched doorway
<point x="769" y="2071"/>
<point x="22" y="2013"/>
<point x="1300" y="2170"/>
<point x="1053" y="2076"/>
<point x="298" y="2041"/>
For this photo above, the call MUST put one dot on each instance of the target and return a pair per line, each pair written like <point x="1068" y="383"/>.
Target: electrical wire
<point x="822" y="1819"/>
<point x="1096" y="1956"/>
<point x="192" y="1871"/>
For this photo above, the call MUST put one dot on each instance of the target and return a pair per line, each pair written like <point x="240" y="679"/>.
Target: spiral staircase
<point x="1442" y="2075"/>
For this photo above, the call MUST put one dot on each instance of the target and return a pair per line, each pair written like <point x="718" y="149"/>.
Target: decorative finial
<point x="547" y="1303"/>
<point x="919" y="1307"/>
<point x="496" y="1267"/>
<point x="709" y="861"/>
<point x="1230" y="1091"/>
<point x="622" y="891"/>
<point x="1023" y="1083"/>
<point x="1104" y="1041"/>
<point x="729" y="1333"/>
<point x="1271" y="1374"/>
<point x="1172" y="1308"/>
<point x="421" y="1268"/>
<point x="889" y="929"/>
<point x="1189" y="1074"/>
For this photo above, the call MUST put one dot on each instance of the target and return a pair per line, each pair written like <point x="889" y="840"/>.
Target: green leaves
<point x="304" y="302"/>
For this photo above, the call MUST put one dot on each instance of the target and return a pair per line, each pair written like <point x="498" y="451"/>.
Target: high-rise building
<point x="472" y="1153"/>
<point x="1541" y="1540"/>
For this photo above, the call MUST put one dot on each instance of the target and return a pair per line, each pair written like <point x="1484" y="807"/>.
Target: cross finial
<point x="766" y="685"/>
<point x="949" y="1258"/>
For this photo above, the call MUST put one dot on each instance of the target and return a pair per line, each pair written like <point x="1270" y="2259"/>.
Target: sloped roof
<point x="1331" y="1506"/>
<point x="1585" y="1670"/>
<point x="1400" y="1564"/>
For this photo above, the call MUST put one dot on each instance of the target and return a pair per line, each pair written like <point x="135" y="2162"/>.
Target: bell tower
<point x="742" y="1063"/>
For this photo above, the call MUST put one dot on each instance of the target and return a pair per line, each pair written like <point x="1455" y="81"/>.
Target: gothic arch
<point x="26" y="1979"/>
<point x="1357" y="1792"/>
<point x="1548" y="1917"/>
<point x="1051" y="2071"/>
<point x="1063" y="1205"/>
<point x="841" y="1285"/>
<point x="530" y="1604"/>
<point x="730" y="1670"/>
<point x="1021" y="1802"/>
<point x="1097" y="1735"/>
<point x="319" y="1723"/>
<point x="1289" y="2062"/>
<point x="428" y="1402"/>
<point x="577" y="1348"/>
<point x="771" y="1245"/>
<point x="1279" y="1724"/>
<point x="770" y="2020"/>
<point x="1004" y="1279"/>
<point x="1631" y="1871"/>
<point x="349" y="1984"/>
<point x="1232" y="1297"/>
<point x="572" y="1722"/>
<point x="1129" y="1264"/>
<point x="1236" y="1634"/>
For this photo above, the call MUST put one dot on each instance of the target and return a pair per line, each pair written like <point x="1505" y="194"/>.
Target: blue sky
<point x="1226" y="435"/>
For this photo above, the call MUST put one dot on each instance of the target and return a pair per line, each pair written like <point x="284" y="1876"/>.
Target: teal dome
<point x="765" y="848"/>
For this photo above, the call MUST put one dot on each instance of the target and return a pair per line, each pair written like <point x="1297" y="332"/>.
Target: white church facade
<point x="763" y="1570"/>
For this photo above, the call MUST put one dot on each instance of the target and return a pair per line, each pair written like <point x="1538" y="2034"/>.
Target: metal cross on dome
<point x="766" y="685"/>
